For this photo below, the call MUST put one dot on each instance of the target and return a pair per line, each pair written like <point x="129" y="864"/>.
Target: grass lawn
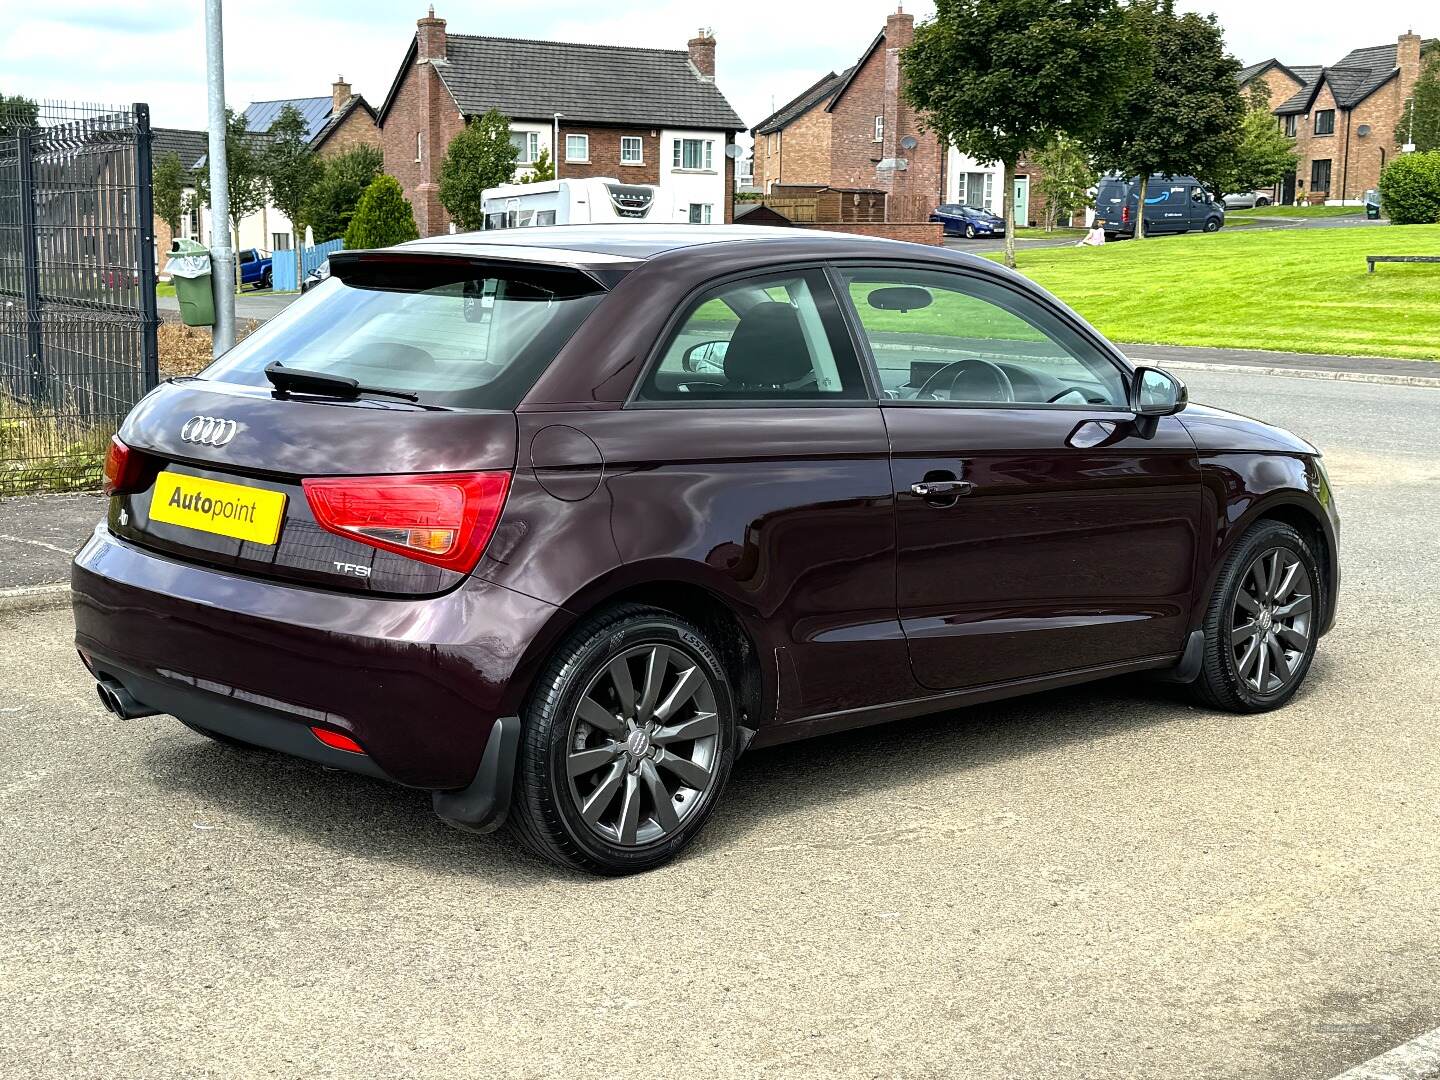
<point x="1296" y="211"/>
<point x="1295" y="290"/>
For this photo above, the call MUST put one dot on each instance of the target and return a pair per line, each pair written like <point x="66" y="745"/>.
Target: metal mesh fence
<point x="77" y="287"/>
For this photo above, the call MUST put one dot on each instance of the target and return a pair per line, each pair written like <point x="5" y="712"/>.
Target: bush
<point x="1410" y="189"/>
<point x="384" y="217"/>
<point x="343" y="180"/>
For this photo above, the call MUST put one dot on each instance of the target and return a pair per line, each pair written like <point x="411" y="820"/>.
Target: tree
<point x="1410" y="189"/>
<point x="246" y="167"/>
<point x="1420" y="118"/>
<point x="481" y="156"/>
<point x="291" y="170"/>
<point x="383" y="217"/>
<point x="167" y="179"/>
<point x="998" y="78"/>
<point x="1066" y="177"/>
<point x="340" y="182"/>
<point x="1183" y="114"/>
<point x="17" y="112"/>
<point x="543" y="169"/>
<point x="1261" y="156"/>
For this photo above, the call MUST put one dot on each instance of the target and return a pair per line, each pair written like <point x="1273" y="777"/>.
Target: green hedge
<point x="1410" y="189"/>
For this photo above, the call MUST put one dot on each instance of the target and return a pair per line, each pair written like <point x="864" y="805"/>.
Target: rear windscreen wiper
<point x="290" y="380"/>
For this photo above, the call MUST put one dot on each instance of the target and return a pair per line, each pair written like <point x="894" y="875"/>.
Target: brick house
<point x="1342" y="117"/>
<point x="190" y="147"/>
<point x="848" y="131"/>
<point x="645" y="116"/>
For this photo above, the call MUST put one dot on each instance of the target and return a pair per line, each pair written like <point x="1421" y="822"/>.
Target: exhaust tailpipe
<point x="120" y="702"/>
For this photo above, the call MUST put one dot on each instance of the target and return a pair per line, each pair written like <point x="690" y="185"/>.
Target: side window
<point x="773" y="338"/>
<point x="939" y="336"/>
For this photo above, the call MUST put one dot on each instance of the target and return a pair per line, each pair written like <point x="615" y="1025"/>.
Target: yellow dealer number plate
<point x="213" y="506"/>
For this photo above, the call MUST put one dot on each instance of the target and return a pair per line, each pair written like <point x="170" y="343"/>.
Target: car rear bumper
<point x="419" y="684"/>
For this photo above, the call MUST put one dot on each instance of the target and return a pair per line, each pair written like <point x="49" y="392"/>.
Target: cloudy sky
<point x="121" y="51"/>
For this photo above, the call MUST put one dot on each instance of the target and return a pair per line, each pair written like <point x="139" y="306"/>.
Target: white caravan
<point x="575" y="202"/>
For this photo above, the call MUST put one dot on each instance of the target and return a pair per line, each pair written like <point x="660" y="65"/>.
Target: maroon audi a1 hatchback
<point x="555" y="523"/>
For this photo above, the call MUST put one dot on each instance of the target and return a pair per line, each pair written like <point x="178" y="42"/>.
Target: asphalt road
<point x="1105" y="882"/>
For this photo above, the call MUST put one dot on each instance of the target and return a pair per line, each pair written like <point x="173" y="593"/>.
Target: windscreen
<point x="451" y="332"/>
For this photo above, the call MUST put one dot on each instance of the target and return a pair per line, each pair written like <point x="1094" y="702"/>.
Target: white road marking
<point x="35" y="543"/>
<point x="1418" y="1059"/>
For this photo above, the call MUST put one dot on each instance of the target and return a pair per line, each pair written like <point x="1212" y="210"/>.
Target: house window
<point x="1291" y="125"/>
<point x="528" y="143"/>
<point x="280" y="241"/>
<point x="699" y="213"/>
<point x="1325" y="122"/>
<point x="694" y="153"/>
<point x="632" y="150"/>
<point x="1320" y="176"/>
<point x="989" y="190"/>
<point x="879" y="129"/>
<point x="577" y="148"/>
<point x="418" y="136"/>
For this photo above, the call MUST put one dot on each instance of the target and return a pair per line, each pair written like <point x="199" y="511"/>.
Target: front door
<point x="1038" y="530"/>
<point x="1022" y="201"/>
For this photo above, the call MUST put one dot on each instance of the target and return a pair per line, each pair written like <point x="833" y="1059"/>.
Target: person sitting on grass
<point x="1094" y="238"/>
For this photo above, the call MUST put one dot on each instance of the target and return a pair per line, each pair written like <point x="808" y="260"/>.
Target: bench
<point x="1373" y="259"/>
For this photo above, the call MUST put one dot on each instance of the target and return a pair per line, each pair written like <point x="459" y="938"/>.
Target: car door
<point x="1041" y="526"/>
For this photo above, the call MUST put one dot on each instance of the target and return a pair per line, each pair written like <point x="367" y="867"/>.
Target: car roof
<point x="609" y="243"/>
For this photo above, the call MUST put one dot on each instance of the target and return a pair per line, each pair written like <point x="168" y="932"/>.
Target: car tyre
<point x="1268" y="598"/>
<point x="1262" y="202"/>
<point x="1212" y="225"/>
<point x="266" y="280"/>
<point x="629" y="737"/>
<point x="969" y="232"/>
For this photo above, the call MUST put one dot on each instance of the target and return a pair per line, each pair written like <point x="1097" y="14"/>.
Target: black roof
<point x="1357" y="75"/>
<point x="357" y="101"/>
<point x="598" y="84"/>
<point x="189" y="146"/>
<point x="802" y="103"/>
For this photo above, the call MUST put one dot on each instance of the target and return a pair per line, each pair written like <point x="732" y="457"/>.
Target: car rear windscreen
<point x="450" y="331"/>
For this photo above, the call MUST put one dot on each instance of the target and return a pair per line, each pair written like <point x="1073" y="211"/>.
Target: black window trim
<point x="1316" y="126"/>
<point x="682" y="312"/>
<point x="862" y="342"/>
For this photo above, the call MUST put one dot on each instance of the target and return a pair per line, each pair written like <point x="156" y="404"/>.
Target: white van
<point x="575" y="202"/>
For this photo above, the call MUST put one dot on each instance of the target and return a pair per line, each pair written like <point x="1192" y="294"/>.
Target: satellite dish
<point x="734" y="150"/>
<point x="909" y="142"/>
<point x="1363" y="130"/>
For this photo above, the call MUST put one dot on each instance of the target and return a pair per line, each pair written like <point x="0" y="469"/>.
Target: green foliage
<point x="543" y="169"/>
<point x="1420" y="119"/>
<point x="998" y="78"/>
<point x="1410" y="189"/>
<point x="339" y="183"/>
<point x="1183" y="115"/>
<point x="291" y="168"/>
<point x="1066" y="179"/>
<point x="245" y="160"/>
<point x="1261" y="156"/>
<point x="17" y="112"/>
<point x="481" y="156"/>
<point x="168" y="182"/>
<point x="383" y="217"/>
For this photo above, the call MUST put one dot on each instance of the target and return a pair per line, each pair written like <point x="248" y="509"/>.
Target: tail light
<point x="124" y="468"/>
<point x="440" y="518"/>
<point x="1125" y="216"/>
<point x="337" y="740"/>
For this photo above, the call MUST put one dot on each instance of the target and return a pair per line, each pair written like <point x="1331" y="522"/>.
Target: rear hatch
<point x="386" y="471"/>
<point x="1110" y="203"/>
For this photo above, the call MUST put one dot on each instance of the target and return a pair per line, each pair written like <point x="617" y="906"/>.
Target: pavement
<point x="248" y="305"/>
<point x="1105" y="882"/>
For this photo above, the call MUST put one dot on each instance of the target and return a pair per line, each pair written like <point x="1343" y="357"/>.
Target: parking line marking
<point x="1418" y="1059"/>
<point x="35" y="543"/>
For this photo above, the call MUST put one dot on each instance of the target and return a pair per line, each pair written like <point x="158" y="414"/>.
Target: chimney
<point x="1407" y="59"/>
<point x="899" y="29"/>
<point x="339" y="94"/>
<point x="702" y="53"/>
<point x="430" y="32"/>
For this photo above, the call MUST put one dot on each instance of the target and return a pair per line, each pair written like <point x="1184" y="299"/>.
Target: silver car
<point x="1244" y="200"/>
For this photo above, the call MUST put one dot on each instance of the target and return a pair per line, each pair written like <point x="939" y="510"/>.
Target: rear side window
<point x="774" y="338"/>
<point x="453" y="333"/>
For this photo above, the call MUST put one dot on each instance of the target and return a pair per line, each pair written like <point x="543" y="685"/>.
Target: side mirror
<point x="1156" y="393"/>
<point x="707" y="358"/>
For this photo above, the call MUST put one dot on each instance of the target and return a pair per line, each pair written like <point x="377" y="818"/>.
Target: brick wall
<point x="422" y="104"/>
<point x="357" y="129"/>
<point x="605" y="155"/>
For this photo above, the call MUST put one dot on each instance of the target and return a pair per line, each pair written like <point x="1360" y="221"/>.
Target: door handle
<point x="941" y="489"/>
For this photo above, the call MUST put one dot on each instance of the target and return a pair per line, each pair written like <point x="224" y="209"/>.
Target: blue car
<point x="968" y="221"/>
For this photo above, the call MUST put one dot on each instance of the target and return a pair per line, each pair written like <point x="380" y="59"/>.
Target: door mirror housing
<point x="706" y="358"/>
<point x="1155" y="392"/>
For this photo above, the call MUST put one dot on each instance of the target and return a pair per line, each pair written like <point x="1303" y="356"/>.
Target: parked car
<point x="1173" y="204"/>
<point x="255" y="268"/>
<point x="1245" y="200"/>
<point x="959" y="219"/>
<point x="555" y="524"/>
<point x="314" y="277"/>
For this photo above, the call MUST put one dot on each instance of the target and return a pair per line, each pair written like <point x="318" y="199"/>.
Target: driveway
<point x="1107" y="882"/>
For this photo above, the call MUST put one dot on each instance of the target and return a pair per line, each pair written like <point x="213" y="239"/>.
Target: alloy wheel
<point x="1271" y="620"/>
<point x="643" y="745"/>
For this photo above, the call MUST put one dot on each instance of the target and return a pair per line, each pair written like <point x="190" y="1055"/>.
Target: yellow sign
<point x="212" y="506"/>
